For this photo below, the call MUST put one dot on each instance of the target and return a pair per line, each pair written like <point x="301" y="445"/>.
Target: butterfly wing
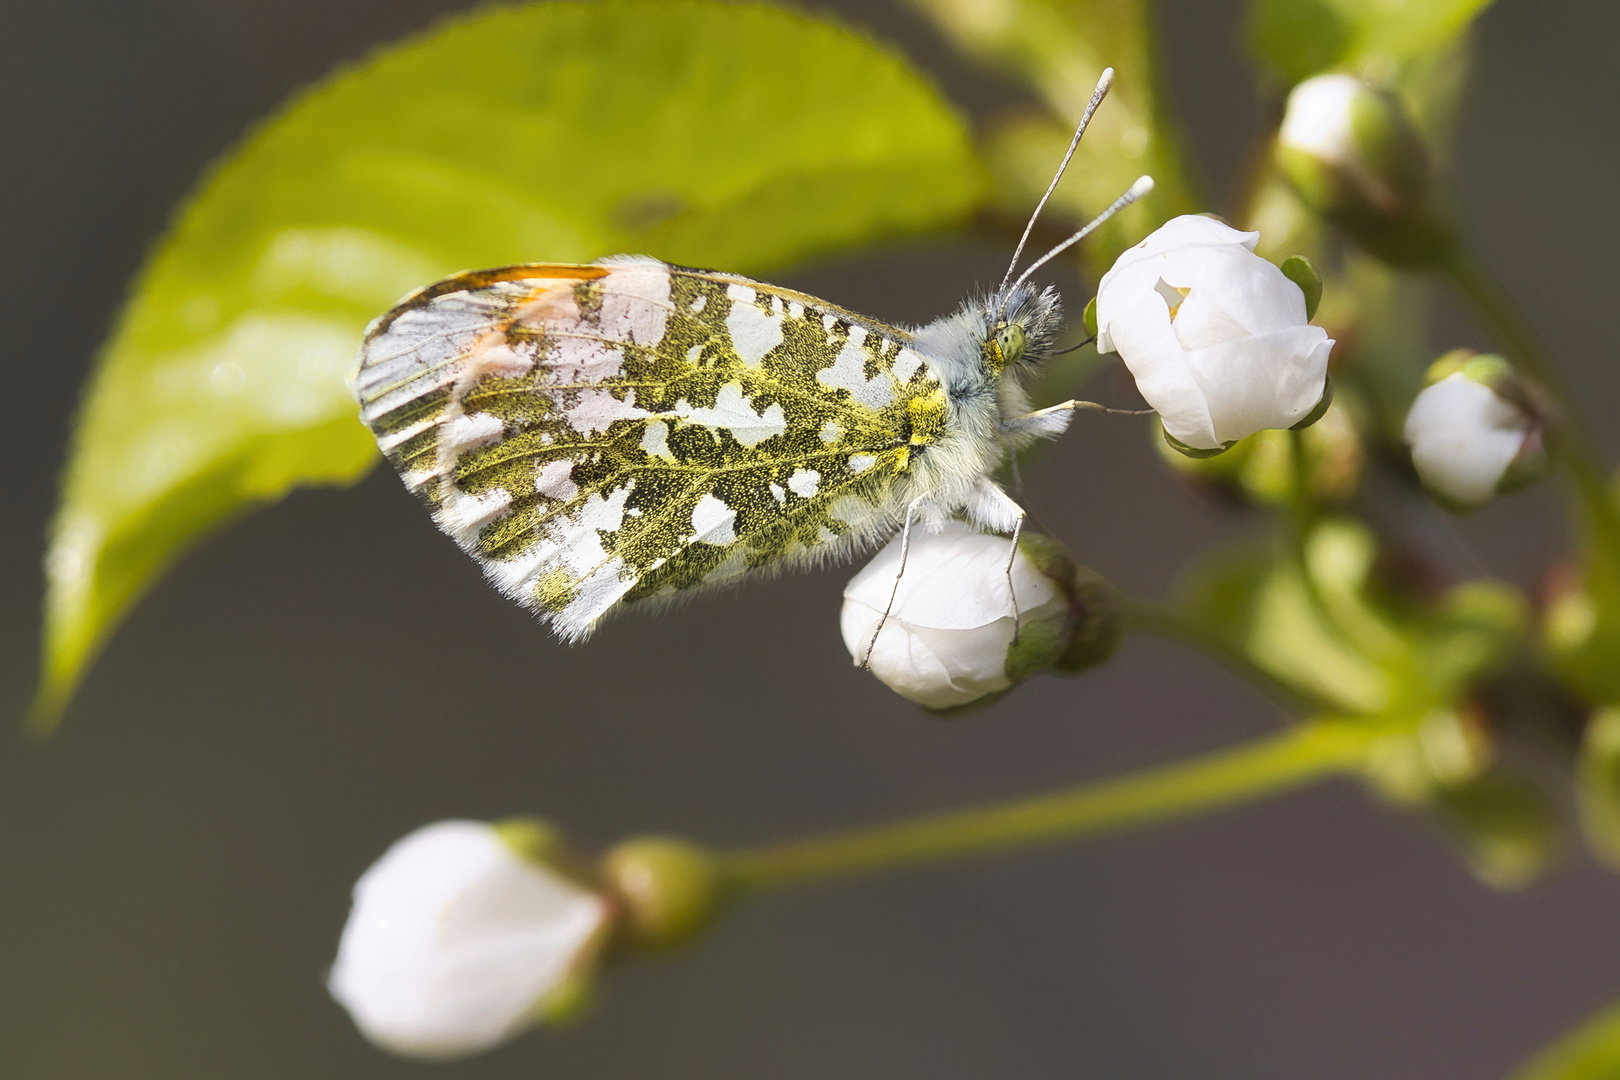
<point x="609" y="434"/>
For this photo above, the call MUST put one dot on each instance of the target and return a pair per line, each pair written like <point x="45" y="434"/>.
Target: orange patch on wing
<point x="470" y="280"/>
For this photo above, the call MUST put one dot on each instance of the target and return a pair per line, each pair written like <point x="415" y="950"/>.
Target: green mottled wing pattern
<point x="608" y="434"/>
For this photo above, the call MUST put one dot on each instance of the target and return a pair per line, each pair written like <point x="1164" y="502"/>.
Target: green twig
<point x="1267" y="766"/>
<point x="1301" y="516"/>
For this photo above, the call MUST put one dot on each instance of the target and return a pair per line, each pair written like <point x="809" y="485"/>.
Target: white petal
<point x="946" y="638"/>
<point x="1248" y="288"/>
<point x="1188" y="231"/>
<point x="1201" y="322"/>
<point x="1147" y="343"/>
<point x="955" y="579"/>
<point x="1318" y="120"/>
<point x="939" y="669"/>
<point x="1463" y="438"/>
<point x="1121" y="289"/>
<point x="1271" y="381"/>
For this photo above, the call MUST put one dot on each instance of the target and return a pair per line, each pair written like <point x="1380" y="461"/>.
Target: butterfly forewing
<point x="607" y="434"/>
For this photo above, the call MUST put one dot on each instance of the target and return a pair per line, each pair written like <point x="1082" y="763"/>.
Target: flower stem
<point x="1164" y="621"/>
<point x="1301" y="518"/>
<point x="1266" y="766"/>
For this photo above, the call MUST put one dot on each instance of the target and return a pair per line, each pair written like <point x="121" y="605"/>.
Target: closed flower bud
<point x="1216" y="337"/>
<point x="463" y="934"/>
<point x="1476" y="430"/>
<point x="948" y="641"/>
<point x="1353" y="156"/>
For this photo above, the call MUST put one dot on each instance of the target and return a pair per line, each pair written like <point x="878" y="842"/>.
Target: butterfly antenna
<point x="1097" y="95"/>
<point x="1143" y="185"/>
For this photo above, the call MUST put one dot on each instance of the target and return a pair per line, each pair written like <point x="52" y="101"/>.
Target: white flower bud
<point x="1353" y="156"/>
<point x="457" y="941"/>
<point x="1473" y="431"/>
<point x="1321" y="121"/>
<point x="1216" y="336"/>
<point x="948" y="641"/>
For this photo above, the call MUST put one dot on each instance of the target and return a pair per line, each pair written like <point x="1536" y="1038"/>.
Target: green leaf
<point x="703" y="133"/>
<point x="1259" y="604"/>
<point x="1342" y="636"/>
<point x="1298" y="38"/>
<point x="1505" y="825"/>
<point x="1298" y="269"/>
<point x="1590" y="1052"/>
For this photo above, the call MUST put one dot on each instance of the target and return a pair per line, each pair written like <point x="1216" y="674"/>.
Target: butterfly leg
<point x="993" y="508"/>
<point x="1012" y="557"/>
<point x="905" y="550"/>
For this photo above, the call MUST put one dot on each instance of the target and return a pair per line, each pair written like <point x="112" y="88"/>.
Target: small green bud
<point x="1598" y="785"/>
<point x="535" y="839"/>
<point x="1088" y="318"/>
<point x="1098" y="612"/>
<point x="1505" y="827"/>
<point x="1581" y="636"/>
<point x="1447" y="748"/>
<point x="669" y="888"/>
<point x="1354" y="157"/>
<point x="1095" y="622"/>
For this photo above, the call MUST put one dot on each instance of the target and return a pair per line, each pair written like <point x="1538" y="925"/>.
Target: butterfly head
<point x="1021" y="326"/>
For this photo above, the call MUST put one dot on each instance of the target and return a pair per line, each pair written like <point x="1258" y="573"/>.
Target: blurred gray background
<point x="175" y="863"/>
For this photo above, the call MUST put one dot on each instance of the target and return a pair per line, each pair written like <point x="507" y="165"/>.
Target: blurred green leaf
<point x="1407" y="668"/>
<point x="1338" y="636"/>
<point x="1260" y="607"/>
<point x="1590" y="1052"/>
<point x="1296" y="39"/>
<point x="704" y="133"/>
<point x="1059" y="48"/>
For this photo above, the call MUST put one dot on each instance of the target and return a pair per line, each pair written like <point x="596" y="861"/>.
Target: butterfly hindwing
<point x="608" y="434"/>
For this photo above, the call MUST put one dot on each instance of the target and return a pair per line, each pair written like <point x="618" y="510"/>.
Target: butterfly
<point x="628" y="431"/>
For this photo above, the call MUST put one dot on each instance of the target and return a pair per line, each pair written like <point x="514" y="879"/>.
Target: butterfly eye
<point x="1010" y="343"/>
